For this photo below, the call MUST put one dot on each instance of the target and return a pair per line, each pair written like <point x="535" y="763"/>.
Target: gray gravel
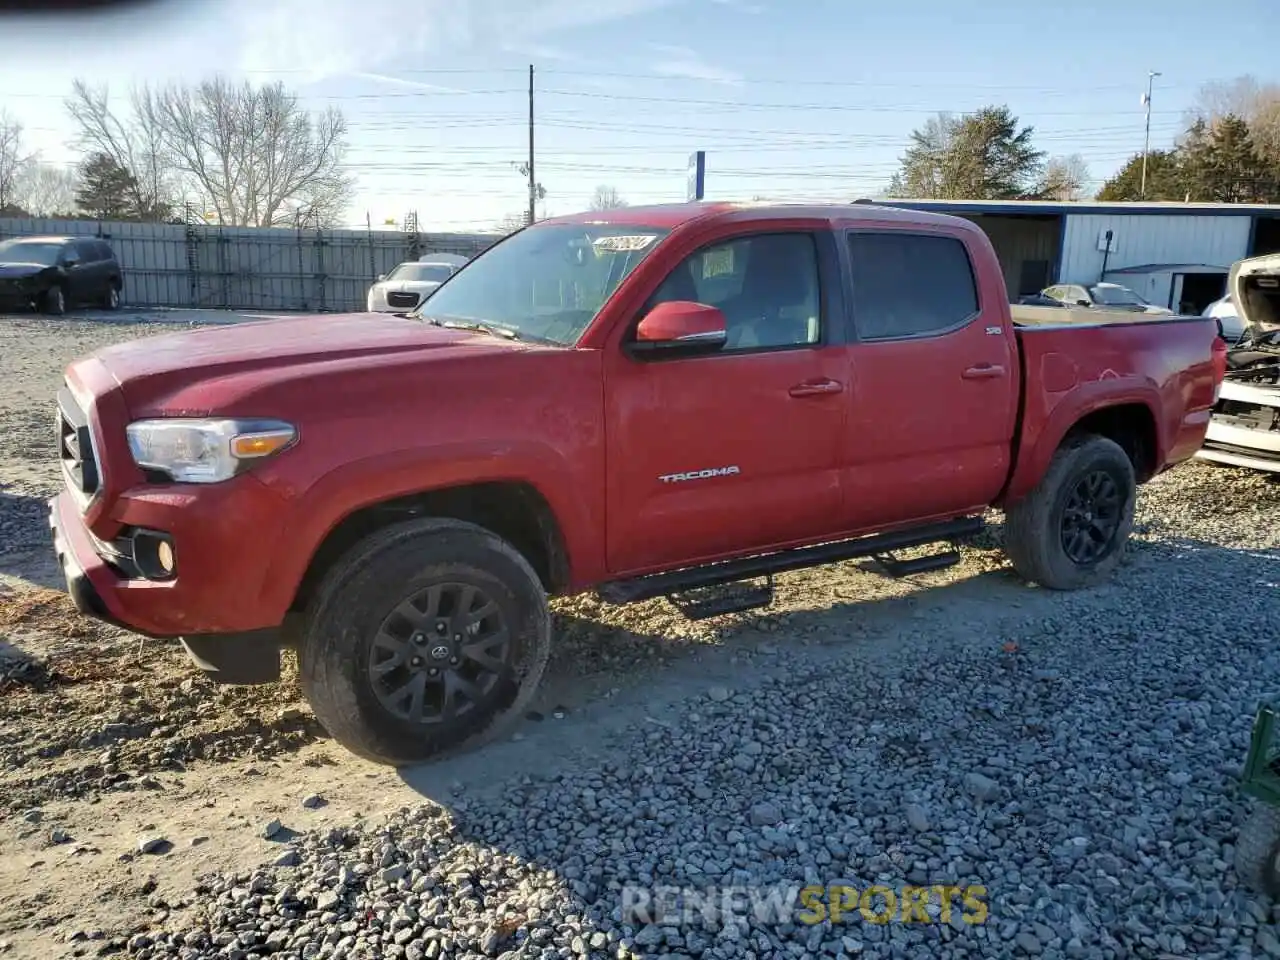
<point x="1079" y="765"/>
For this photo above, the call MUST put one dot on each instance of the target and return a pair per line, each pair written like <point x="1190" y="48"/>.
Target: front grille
<point x="399" y="299"/>
<point x="75" y="447"/>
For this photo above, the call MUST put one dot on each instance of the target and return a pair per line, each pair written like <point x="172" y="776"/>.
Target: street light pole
<point x="1146" y="141"/>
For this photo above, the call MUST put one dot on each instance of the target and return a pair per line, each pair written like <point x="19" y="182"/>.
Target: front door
<point x="935" y="378"/>
<point x="736" y="451"/>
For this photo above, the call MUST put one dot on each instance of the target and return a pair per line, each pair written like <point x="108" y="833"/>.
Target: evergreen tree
<point x="106" y="189"/>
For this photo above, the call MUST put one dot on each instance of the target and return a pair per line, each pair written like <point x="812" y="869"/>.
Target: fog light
<point x="153" y="554"/>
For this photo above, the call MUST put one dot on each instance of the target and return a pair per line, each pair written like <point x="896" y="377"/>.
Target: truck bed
<point x="1155" y="368"/>
<point x="1029" y="316"/>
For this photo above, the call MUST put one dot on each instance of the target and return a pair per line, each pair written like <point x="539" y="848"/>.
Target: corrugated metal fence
<point x="248" y="268"/>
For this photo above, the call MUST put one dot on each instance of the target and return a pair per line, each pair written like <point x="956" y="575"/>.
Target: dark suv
<point x="54" y="273"/>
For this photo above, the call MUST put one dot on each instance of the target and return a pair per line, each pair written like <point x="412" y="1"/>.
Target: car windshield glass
<point x="546" y="282"/>
<point x="30" y="251"/>
<point x="437" y="272"/>
<point x="1117" y="296"/>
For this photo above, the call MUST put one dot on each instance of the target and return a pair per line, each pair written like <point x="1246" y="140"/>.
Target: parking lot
<point x="1073" y="757"/>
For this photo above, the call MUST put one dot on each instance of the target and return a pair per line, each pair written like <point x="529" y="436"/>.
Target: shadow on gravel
<point x="26" y="548"/>
<point x="747" y="657"/>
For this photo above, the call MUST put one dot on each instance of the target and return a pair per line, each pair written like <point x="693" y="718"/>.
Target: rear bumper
<point x="187" y="607"/>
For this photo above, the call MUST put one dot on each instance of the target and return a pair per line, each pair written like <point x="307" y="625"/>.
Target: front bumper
<point x="1240" y="441"/>
<point x="228" y="635"/>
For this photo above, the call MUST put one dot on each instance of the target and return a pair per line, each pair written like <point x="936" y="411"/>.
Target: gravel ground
<point x="1068" y="759"/>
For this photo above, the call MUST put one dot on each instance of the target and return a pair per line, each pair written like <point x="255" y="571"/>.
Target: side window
<point x="104" y="251"/>
<point x="1054" y="293"/>
<point x="84" y="250"/>
<point x="910" y="285"/>
<point x="766" y="285"/>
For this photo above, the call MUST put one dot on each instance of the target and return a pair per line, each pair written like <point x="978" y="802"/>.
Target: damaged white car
<point x="1245" y="428"/>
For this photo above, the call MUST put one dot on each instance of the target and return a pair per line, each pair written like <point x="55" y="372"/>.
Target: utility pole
<point x="1146" y="142"/>
<point x="533" y="183"/>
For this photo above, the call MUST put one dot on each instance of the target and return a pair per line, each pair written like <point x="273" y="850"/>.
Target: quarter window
<point x="910" y="285"/>
<point x="766" y="285"/>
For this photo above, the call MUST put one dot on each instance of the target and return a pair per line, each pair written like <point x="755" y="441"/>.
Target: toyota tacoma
<point x="674" y="401"/>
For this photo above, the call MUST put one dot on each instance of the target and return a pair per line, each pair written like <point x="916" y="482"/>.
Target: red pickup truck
<point x="673" y="401"/>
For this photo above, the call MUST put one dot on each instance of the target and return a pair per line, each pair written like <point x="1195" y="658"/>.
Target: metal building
<point x="1175" y="255"/>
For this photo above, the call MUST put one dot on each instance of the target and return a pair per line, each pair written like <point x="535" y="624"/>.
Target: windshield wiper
<point x="463" y="323"/>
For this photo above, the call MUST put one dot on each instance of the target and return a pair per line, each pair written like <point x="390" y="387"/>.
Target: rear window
<point x="910" y="285"/>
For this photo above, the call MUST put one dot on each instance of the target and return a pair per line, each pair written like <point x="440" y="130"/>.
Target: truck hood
<point x="1255" y="289"/>
<point x="152" y="367"/>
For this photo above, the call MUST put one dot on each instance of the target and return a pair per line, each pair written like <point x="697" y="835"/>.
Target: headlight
<point x="206" y="451"/>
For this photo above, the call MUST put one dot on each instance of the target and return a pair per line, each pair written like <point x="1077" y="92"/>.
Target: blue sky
<point x="790" y="100"/>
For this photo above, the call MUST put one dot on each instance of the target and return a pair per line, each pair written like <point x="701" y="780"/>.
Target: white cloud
<point x="402" y="82"/>
<point x="686" y="64"/>
<point x="324" y="39"/>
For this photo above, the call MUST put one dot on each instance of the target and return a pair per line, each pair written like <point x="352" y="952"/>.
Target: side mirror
<point x="382" y="276"/>
<point x="680" y="326"/>
<point x="70" y="261"/>
<point x="1083" y="303"/>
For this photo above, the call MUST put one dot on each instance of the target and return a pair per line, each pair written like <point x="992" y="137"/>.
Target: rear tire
<point x="1071" y="531"/>
<point x="111" y="300"/>
<point x="54" y="302"/>
<point x="410" y="615"/>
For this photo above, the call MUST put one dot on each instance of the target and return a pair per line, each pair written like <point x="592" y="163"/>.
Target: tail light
<point x="1219" y="365"/>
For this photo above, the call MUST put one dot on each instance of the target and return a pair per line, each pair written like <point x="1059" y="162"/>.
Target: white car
<point x="1228" y="318"/>
<point x="1244" y="429"/>
<point x="405" y="287"/>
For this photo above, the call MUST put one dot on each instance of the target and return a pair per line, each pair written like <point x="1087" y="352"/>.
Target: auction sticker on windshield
<point x="623" y="244"/>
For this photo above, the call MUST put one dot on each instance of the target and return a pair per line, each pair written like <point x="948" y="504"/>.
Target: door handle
<point x="815" y="388"/>
<point x="983" y="371"/>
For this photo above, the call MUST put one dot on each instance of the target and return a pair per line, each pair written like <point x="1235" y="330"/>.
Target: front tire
<point x="1071" y="531"/>
<point x="426" y="639"/>
<point x="111" y="300"/>
<point x="54" y="302"/>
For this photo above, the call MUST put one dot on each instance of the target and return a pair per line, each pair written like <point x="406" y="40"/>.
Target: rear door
<point x="934" y="374"/>
<point x="739" y="450"/>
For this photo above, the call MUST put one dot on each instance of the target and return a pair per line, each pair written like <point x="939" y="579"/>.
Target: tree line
<point x="1228" y="152"/>
<point x="245" y="155"/>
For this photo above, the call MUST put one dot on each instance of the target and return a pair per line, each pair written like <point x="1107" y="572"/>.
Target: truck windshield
<point x="546" y="282"/>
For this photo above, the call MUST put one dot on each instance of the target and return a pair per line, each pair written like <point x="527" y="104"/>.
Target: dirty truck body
<point x="668" y="401"/>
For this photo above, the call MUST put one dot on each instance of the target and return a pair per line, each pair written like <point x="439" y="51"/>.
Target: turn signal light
<point x="247" y="446"/>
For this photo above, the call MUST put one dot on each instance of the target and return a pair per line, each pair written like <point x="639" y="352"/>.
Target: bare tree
<point x="606" y="198"/>
<point x="14" y="160"/>
<point x="258" y="156"/>
<point x="136" y="143"/>
<point x="253" y="154"/>
<point x="1065" y="178"/>
<point x="46" y="190"/>
<point x="1257" y="104"/>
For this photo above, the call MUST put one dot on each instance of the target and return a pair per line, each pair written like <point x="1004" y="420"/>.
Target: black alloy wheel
<point x="1091" y="518"/>
<point x="441" y="653"/>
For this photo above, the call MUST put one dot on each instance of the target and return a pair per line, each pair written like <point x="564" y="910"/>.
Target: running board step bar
<point x="703" y="603"/>
<point x="766" y="565"/>
<point x="895" y="568"/>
